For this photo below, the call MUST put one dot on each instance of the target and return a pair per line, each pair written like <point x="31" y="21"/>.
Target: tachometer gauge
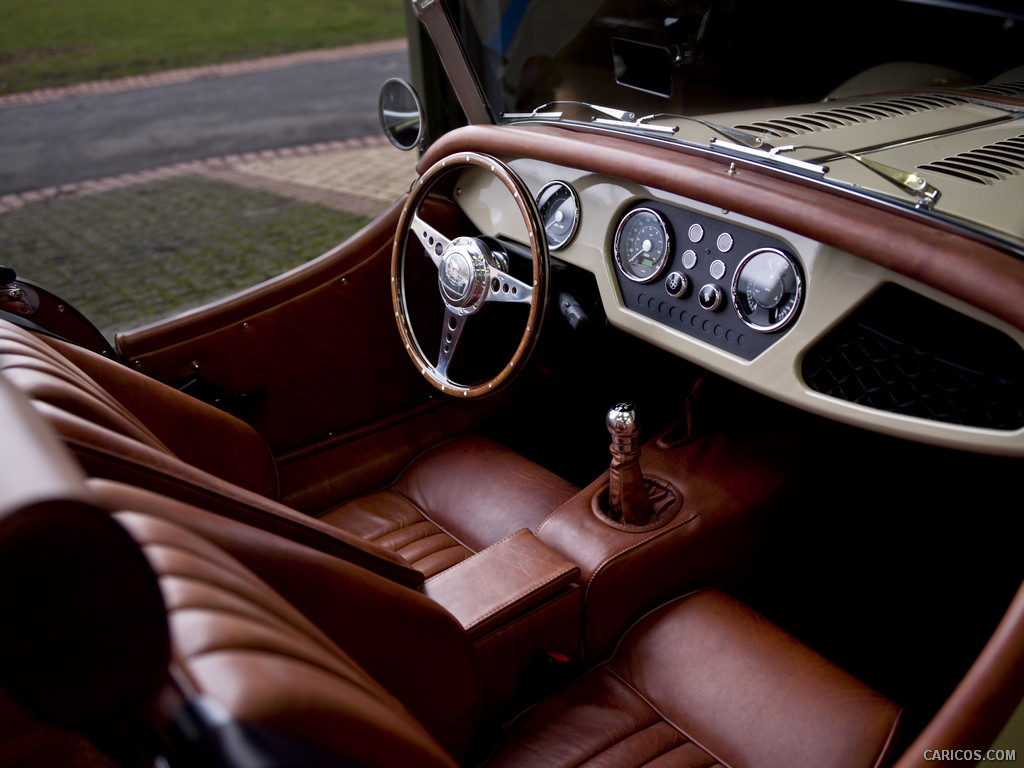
<point x="767" y="289"/>
<point x="559" y="208"/>
<point x="642" y="245"/>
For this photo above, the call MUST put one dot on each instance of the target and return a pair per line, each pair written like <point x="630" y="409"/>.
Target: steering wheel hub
<point x="462" y="274"/>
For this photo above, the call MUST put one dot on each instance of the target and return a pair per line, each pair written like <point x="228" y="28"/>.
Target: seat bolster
<point x="748" y="692"/>
<point x="84" y="631"/>
<point x="196" y="432"/>
<point x="481" y="492"/>
<point x="239" y="642"/>
<point x="251" y="509"/>
<point x="397" y="630"/>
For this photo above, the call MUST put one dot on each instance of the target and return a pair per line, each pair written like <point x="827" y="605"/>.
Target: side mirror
<point x="401" y="114"/>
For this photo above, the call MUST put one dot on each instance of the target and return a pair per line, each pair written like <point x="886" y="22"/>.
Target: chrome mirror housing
<point x="401" y="114"/>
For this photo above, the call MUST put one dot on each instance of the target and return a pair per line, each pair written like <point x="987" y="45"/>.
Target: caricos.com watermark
<point x="972" y="755"/>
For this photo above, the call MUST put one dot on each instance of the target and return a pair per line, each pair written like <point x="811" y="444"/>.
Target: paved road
<point x="89" y="137"/>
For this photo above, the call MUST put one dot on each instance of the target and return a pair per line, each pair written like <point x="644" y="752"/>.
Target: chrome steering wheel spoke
<point x="454" y="322"/>
<point x="505" y="288"/>
<point x="433" y="241"/>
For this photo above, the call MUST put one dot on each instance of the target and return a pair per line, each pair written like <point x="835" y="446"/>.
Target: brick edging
<point x="222" y="168"/>
<point x="189" y="74"/>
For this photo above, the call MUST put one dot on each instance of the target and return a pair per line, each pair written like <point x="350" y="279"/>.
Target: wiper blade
<point x="908" y="181"/>
<point x="545" y="111"/>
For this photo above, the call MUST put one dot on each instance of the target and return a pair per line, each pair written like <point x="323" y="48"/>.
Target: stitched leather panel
<point x="441" y="560"/>
<point x="700" y="680"/>
<point x="599" y="723"/>
<point x="508" y="579"/>
<point x="429" y="547"/>
<point x="44" y="375"/>
<point x="390" y="520"/>
<point x="454" y="500"/>
<point x="480" y="492"/>
<point x="424" y="532"/>
<point x="749" y="692"/>
<point x="239" y="642"/>
<point x="106" y="406"/>
<point x="374" y="516"/>
<point x="657" y="745"/>
<point x="198" y="433"/>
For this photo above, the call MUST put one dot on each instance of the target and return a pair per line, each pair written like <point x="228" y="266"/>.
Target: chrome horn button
<point x="462" y="274"/>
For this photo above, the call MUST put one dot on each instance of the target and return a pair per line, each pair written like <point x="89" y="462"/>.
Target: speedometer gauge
<point x="642" y="245"/>
<point x="767" y="289"/>
<point x="559" y="208"/>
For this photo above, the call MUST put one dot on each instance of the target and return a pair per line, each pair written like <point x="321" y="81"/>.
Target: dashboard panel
<point x="829" y="291"/>
<point x="725" y="284"/>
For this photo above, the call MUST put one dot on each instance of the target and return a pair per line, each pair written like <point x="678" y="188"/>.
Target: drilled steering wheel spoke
<point x="506" y="288"/>
<point x="433" y="241"/>
<point x="454" y="322"/>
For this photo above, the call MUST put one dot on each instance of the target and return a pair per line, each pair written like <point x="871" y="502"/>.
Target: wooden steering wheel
<point x="470" y="275"/>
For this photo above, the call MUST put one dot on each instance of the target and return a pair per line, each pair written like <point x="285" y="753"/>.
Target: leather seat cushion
<point x="453" y="501"/>
<point x="704" y="681"/>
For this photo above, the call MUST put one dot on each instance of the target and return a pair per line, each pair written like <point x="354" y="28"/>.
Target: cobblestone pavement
<point x="134" y="248"/>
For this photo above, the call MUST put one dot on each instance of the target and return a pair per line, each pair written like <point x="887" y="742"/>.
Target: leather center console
<point x="721" y="489"/>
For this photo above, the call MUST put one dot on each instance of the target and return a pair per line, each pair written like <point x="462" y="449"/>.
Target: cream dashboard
<point x="780" y="312"/>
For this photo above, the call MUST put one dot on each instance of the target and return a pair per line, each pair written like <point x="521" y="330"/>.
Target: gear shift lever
<point x="628" y="499"/>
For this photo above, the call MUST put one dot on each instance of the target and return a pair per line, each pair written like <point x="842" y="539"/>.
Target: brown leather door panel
<point x="317" y="348"/>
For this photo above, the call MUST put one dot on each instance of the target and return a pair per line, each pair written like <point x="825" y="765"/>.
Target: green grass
<point x="45" y="43"/>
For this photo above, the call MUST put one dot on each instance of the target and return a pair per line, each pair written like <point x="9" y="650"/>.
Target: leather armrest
<point x="501" y="582"/>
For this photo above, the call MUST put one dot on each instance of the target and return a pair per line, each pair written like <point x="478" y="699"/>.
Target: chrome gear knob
<point x="624" y="428"/>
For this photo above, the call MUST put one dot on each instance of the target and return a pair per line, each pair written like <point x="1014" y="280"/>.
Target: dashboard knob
<point x="710" y="297"/>
<point x="677" y="284"/>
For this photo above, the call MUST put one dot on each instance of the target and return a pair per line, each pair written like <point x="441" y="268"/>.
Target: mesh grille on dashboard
<point x="903" y="354"/>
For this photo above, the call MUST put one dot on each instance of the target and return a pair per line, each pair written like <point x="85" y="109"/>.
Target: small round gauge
<point x="559" y="207"/>
<point x="767" y="289"/>
<point x="642" y="245"/>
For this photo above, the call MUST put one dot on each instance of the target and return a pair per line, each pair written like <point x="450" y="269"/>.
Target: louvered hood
<point x="966" y="143"/>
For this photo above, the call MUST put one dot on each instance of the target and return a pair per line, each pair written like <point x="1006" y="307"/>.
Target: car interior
<point x="284" y="529"/>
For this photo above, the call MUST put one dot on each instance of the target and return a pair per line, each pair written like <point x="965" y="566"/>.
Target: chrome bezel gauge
<point x="643" y="235"/>
<point x="767" y="289"/>
<point x="559" y="208"/>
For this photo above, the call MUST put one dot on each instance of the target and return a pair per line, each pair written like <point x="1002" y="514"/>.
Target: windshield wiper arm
<point x="744" y="138"/>
<point x="544" y="111"/>
<point x="733" y="134"/>
<point x="908" y="181"/>
<point x="621" y="117"/>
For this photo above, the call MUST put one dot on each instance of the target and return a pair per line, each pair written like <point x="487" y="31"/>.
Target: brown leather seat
<point x="706" y="681"/>
<point x="453" y="501"/>
<point x="368" y="673"/>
